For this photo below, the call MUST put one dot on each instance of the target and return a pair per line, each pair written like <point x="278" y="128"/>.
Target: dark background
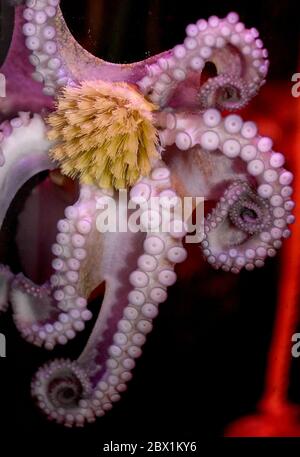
<point x="203" y="366"/>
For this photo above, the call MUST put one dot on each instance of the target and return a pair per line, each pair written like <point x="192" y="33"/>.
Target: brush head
<point x="104" y="134"/>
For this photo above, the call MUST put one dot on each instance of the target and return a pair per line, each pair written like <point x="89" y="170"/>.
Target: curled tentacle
<point x="251" y="218"/>
<point x="124" y="320"/>
<point x="224" y="91"/>
<point x="236" y="52"/>
<point x="66" y="385"/>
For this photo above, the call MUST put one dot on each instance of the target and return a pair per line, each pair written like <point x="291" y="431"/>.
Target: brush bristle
<point x="105" y="134"/>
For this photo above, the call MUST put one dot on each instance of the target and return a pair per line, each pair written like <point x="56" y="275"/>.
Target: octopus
<point x="205" y="149"/>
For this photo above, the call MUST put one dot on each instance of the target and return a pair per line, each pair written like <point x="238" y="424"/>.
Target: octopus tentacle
<point x="75" y="392"/>
<point x="52" y="313"/>
<point x="247" y="225"/>
<point x="224" y="91"/>
<point x="23" y="153"/>
<point x="22" y="92"/>
<point x="42" y="40"/>
<point x="57" y="57"/>
<point x="237" y="53"/>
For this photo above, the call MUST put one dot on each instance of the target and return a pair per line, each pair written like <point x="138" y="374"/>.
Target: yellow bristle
<point x="105" y="134"/>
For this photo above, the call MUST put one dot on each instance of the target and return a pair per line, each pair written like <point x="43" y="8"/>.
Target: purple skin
<point x="222" y="159"/>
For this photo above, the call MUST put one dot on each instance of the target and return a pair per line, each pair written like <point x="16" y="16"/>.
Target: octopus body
<point x="202" y="153"/>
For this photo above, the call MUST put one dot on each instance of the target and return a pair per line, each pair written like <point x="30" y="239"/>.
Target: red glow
<point x="276" y="417"/>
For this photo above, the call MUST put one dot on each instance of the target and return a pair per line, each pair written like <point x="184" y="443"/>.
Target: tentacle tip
<point x="60" y="388"/>
<point x="239" y="233"/>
